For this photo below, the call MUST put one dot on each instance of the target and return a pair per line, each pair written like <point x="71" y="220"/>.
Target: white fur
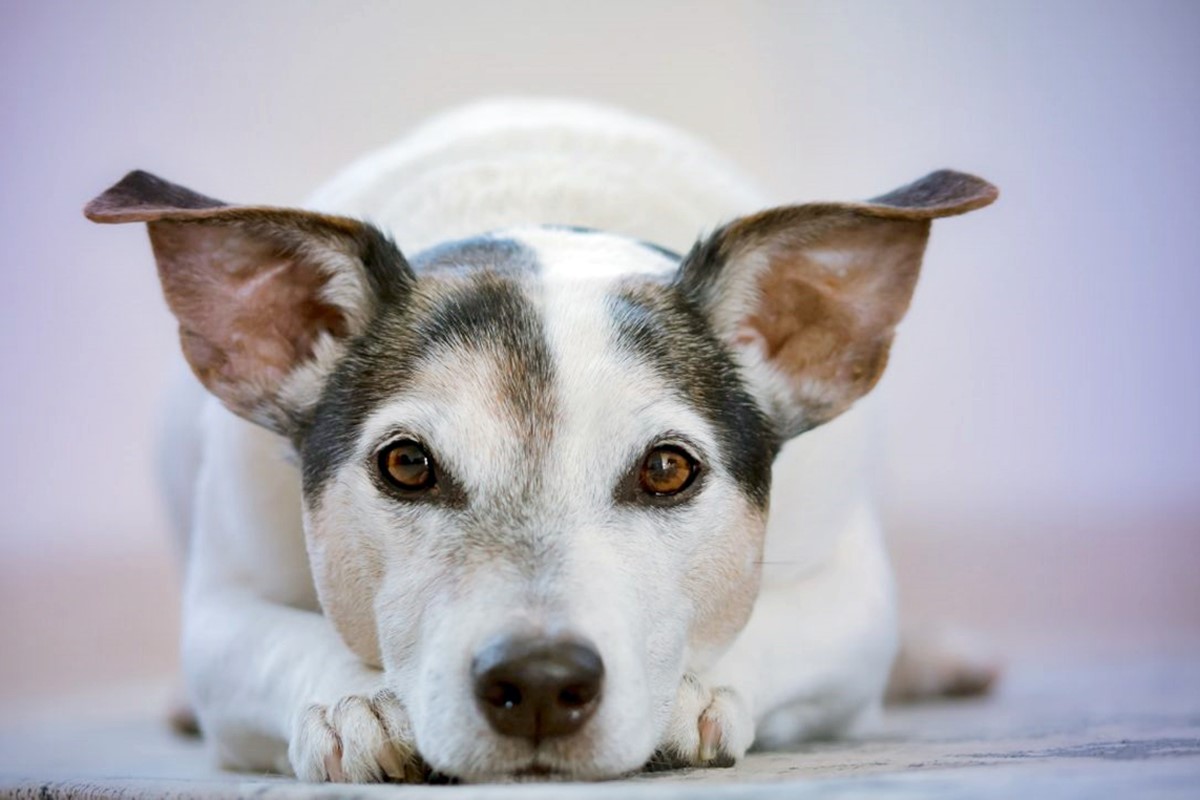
<point x="264" y="667"/>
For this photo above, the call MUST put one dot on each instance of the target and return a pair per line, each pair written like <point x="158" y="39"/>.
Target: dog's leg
<point x="273" y="685"/>
<point x="277" y="689"/>
<point x="814" y="657"/>
<point x="177" y="461"/>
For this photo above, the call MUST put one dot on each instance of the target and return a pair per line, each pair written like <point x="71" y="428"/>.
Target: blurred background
<point x="1041" y="416"/>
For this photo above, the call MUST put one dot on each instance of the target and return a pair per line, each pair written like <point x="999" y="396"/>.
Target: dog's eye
<point x="667" y="470"/>
<point x="406" y="465"/>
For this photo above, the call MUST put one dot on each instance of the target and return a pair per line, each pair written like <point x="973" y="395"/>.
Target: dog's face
<point x="540" y="440"/>
<point x="536" y="463"/>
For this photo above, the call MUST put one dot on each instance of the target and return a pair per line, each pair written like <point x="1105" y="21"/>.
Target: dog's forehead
<point x="573" y="254"/>
<point x="549" y="253"/>
<point x="535" y="337"/>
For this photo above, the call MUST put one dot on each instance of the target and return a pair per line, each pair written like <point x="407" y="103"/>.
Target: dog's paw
<point x="357" y="740"/>
<point x="709" y="728"/>
<point x="939" y="662"/>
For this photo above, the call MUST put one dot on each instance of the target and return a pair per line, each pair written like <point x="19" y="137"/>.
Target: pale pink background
<point x="1042" y="420"/>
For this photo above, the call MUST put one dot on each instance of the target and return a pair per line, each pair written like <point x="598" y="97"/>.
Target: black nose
<point x="536" y="688"/>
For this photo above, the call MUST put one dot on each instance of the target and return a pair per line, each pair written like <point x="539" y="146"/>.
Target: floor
<point x="1124" y="726"/>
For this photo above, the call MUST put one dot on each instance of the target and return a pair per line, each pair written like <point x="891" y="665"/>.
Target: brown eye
<point x="667" y="470"/>
<point x="405" y="465"/>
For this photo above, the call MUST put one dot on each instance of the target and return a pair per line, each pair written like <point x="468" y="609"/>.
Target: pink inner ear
<point x="249" y="313"/>
<point x="827" y="309"/>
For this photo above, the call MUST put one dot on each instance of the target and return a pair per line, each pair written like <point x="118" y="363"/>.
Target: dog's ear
<point x="266" y="298"/>
<point x="809" y="296"/>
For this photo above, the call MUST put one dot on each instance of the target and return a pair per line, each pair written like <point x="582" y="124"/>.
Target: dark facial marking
<point x="493" y="253"/>
<point x="494" y="314"/>
<point x="468" y="308"/>
<point x="661" y="327"/>
<point x="700" y="267"/>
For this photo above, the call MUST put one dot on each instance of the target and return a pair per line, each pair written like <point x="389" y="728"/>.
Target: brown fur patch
<point x="829" y="324"/>
<point x="723" y="580"/>
<point x="829" y="282"/>
<point x="246" y="283"/>
<point x="248" y="312"/>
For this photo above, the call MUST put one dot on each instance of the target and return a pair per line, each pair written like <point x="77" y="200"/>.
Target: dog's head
<point x="536" y="463"/>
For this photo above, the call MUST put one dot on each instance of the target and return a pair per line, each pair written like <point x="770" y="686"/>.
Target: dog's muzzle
<point x="535" y="688"/>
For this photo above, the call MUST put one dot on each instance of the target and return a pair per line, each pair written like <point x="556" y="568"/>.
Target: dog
<point x="493" y="506"/>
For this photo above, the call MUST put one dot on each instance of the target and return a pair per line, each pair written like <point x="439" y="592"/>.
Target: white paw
<point x="357" y="740"/>
<point x="709" y="728"/>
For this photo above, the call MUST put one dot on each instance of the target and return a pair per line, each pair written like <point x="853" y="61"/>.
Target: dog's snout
<point x="536" y="688"/>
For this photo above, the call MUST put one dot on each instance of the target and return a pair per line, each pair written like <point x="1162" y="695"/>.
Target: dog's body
<point x="534" y="363"/>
